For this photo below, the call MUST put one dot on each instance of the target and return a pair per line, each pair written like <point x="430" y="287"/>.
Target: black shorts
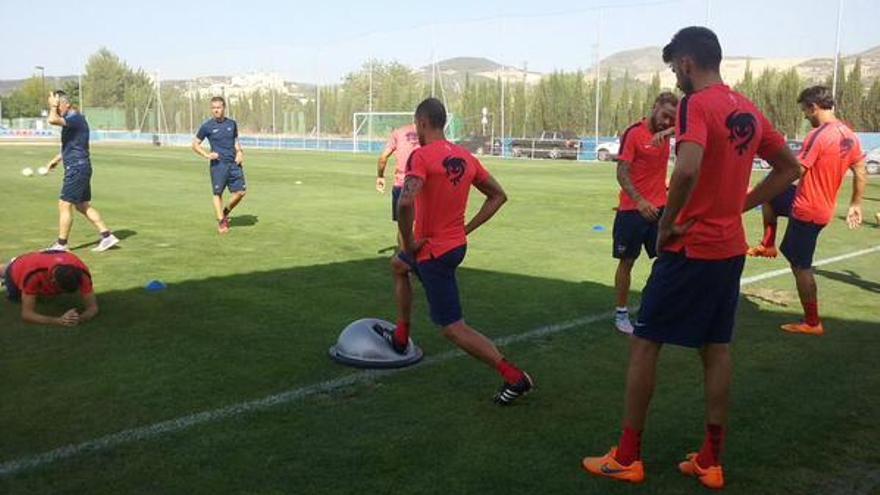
<point x="781" y="204"/>
<point x="690" y="302"/>
<point x="631" y="232"/>
<point x="395" y="197"/>
<point x="77" y="185"/>
<point x="13" y="293"/>
<point x="799" y="244"/>
<point x="441" y="287"/>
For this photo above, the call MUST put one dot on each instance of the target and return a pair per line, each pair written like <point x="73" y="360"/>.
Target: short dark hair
<point x="434" y="111"/>
<point x="220" y="99"/>
<point x="666" y="97"/>
<point x="817" y="95"/>
<point x="67" y="277"/>
<point x="697" y="42"/>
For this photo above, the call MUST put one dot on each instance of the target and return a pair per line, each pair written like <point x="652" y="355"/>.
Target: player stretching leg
<point x="226" y="160"/>
<point x="76" y="191"/>
<point x="641" y="172"/>
<point x="434" y="197"/>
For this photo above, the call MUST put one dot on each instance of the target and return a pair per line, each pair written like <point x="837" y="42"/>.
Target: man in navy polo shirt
<point x="76" y="191"/>
<point x="226" y="158"/>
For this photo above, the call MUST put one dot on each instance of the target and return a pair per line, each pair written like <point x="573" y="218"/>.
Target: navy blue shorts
<point x="631" y="232"/>
<point x="690" y="302"/>
<point x="77" y="185"/>
<point x="13" y="293"/>
<point x="227" y="175"/>
<point x="781" y="204"/>
<point x="799" y="244"/>
<point x="395" y="197"/>
<point x="441" y="288"/>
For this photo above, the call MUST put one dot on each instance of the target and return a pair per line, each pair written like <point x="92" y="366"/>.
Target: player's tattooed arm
<point x="646" y="209"/>
<point x="495" y="198"/>
<point x="406" y="212"/>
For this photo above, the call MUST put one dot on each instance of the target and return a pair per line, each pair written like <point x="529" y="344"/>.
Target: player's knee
<point x="627" y="263"/>
<point x="241" y="194"/>
<point x="453" y="330"/>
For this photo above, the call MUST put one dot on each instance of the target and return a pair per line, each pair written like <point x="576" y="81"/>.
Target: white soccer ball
<point x="27" y="171"/>
<point x="43" y="170"/>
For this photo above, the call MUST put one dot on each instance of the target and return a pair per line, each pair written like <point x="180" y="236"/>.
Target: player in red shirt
<point x="641" y="172"/>
<point x="435" y="192"/>
<point x="830" y="150"/>
<point x="691" y="296"/>
<point x="48" y="274"/>
<point x="402" y="142"/>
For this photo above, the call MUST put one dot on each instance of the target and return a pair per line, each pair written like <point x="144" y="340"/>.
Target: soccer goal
<point x="370" y="130"/>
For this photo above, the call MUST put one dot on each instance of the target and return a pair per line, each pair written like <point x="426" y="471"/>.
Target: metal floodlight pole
<point x="370" y="109"/>
<point x="598" y="75"/>
<point x="708" y="11"/>
<point x="837" y="48"/>
<point x="42" y="76"/>
<point x="274" y="131"/>
<point x="189" y="83"/>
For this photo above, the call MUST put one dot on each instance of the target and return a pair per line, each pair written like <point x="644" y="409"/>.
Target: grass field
<point x="252" y="314"/>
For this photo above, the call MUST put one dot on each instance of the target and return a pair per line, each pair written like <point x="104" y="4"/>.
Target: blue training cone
<point x="155" y="286"/>
<point x="598" y="228"/>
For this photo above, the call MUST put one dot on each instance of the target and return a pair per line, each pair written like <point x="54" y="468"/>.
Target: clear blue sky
<point x="322" y="40"/>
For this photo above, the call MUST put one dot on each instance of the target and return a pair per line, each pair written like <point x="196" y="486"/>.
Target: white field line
<point x="16" y="466"/>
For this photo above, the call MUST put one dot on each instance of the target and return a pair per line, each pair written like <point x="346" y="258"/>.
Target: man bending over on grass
<point x="435" y="193"/>
<point x="47" y="274"/>
<point x="76" y="191"/>
<point x="226" y="158"/>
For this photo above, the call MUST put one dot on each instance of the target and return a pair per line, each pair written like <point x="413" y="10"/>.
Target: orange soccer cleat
<point x="762" y="251"/>
<point x="802" y="327"/>
<point x="608" y="467"/>
<point x="710" y="477"/>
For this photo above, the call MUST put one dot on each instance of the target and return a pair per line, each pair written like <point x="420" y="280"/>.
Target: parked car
<point x="551" y="144"/>
<point x="793" y="144"/>
<point x="476" y="144"/>
<point x="608" y="150"/>
<point x="872" y="161"/>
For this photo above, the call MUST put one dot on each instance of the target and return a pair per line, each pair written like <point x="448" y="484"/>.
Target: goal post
<point x="370" y="130"/>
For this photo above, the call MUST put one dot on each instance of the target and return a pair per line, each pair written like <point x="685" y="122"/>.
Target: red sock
<point x="630" y="449"/>
<point x="811" y="313"/>
<point x="769" y="235"/>
<point x="511" y="373"/>
<point x="710" y="454"/>
<point x="401" y="333"/>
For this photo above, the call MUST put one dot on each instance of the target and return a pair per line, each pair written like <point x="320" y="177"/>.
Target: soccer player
<point x="435" y="192"/>
<point x="829" y="151"/>
<point x="691" y="296"/>
<point x="47" y="274"/>
<point x="76" y="191"/>
<point x="641" y="172"/>
<point x="402" y="142"/>
<point x="226" y="160"/>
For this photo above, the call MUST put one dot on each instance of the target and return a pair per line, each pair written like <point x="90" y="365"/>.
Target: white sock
<point x="622" y="309"/>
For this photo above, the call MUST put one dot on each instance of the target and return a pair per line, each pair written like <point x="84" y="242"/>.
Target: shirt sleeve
<point x="235" y="131"/>
<point x="627" y="147"/>
<point x="812" y="149"/>
<point x="416" y="166"/>
<point x="857" y="154"/>
<point x="771" y="139"/>
<point x="85" y="284"/>
<point x="690" y="125"/>
<point x="202" y="133"/>
<point x="481" y="174"/>
<point x="391" y="145"/>
<point x="74" y="121"/>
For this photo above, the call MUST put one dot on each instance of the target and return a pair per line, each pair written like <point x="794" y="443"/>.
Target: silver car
<point x="872" y="161"/>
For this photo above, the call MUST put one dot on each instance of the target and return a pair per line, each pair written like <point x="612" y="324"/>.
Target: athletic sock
<point x="622" y="309"/>
<point x="106" y="234"/>
<point x="401" y="333"/>
<point x="630" y="447"/>
<point x="62" y="242"/>
<point x="811" y="313"/>
<point x="769" y="235"/>
<point x="511" y="373"/>
<point x="710" y="453"/>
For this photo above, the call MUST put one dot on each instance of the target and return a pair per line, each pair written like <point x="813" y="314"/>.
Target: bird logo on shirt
<point x="742" y="127"/>
<point x="846" y="145"/>
<point x="455" y="168"/>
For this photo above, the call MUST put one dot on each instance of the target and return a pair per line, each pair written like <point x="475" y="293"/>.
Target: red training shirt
<point x="648" y="165"/>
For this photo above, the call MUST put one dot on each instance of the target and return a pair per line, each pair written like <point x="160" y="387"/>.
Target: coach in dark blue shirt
<point x="226" y="160"/>
<point x="76" y="191"/>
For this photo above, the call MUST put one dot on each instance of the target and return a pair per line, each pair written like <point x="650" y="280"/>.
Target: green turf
<point x="253" y="313"/>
